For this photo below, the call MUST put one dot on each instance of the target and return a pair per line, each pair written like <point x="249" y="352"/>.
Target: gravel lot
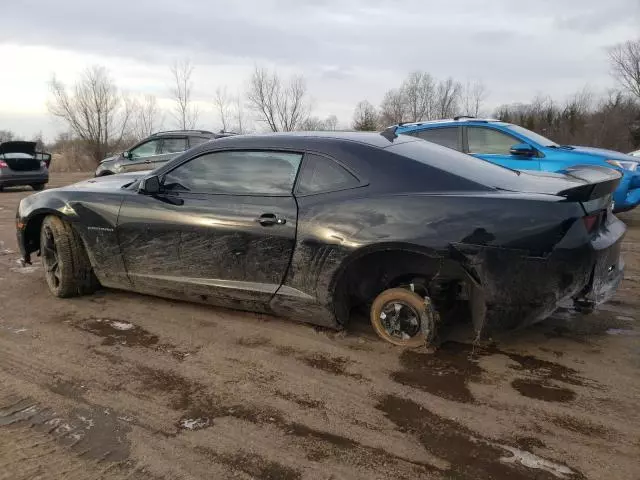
<point x="118" y="385"/>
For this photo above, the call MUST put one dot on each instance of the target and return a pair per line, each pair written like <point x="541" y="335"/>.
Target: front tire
<point x="401" y="317"/>
<point x="38" y="186"/>
<point x="67" y="268"/>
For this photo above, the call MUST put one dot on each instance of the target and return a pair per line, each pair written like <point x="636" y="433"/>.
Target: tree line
<point x="103" y="119"/>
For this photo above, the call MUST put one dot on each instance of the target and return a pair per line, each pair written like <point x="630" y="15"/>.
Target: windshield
<point x="533" y="136"/>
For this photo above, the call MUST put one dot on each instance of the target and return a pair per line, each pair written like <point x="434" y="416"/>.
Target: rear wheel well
<point x="366" y="276"/>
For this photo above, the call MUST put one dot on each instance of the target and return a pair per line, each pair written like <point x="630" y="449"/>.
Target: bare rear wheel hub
<point x="400" y="320"/>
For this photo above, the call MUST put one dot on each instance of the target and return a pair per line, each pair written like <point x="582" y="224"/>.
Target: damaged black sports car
<point x="312" y="225"/>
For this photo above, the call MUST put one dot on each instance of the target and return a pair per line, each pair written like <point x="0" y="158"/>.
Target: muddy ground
<point x="118" y="385"/>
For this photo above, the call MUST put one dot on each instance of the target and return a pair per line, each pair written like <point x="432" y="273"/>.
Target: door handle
<point x="269" y="219"/>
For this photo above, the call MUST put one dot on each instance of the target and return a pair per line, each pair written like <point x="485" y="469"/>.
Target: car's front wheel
<point x="67" y="267"/>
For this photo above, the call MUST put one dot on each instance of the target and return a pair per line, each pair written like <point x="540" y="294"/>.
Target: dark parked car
<point x="309" y="226"/>
<point x="22" y="164"/>
<point x="156" y="150"/>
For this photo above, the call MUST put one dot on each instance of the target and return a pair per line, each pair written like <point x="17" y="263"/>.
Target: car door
<point x="494" y="145"/>
<point x="169" y="149"/>
<point x="221" y="231"/>
<point x="141" y="156"/>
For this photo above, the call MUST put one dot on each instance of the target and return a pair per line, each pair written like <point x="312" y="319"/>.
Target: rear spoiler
<point x="600" y="181"/>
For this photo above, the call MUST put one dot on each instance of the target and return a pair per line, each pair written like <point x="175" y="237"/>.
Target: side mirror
<point x="127" y="155"/>
<point x="522" y="150"/>
<point x="149" y="186"/>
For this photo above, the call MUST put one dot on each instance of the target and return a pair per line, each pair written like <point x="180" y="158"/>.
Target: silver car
<point x="22" y="164"/>
<point x="155" y="150"/>
<point x="636" y="153"/>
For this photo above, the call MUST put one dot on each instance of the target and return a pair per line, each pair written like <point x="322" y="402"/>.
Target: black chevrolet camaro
<point x="312" y="225"/>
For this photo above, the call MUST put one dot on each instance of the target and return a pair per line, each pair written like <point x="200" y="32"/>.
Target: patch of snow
<point x="121" y="325"/>
<point x="624" y="318"/>
<point x="87" y="421"/>
<point x="530" y="460"/>
<point x="194" y="423"/>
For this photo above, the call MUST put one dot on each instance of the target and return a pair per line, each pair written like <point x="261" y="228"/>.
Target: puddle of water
<point x="445" y="373"/>
<point x="541" y="390"/>
<point x="469" y="454"/>
<point x="114" y="334"/>
<point x="91" y="432"/>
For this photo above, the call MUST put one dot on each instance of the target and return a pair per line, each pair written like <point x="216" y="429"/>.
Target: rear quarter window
<point x="457" y="163"/>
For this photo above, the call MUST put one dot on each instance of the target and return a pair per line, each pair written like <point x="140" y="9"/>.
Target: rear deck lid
<point x="22" y="156"/>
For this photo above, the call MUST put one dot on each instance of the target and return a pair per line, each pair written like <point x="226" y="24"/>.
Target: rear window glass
<point x="16" y="155"/>
<point x="460" y="164"/>
<point x="445" y="136"/>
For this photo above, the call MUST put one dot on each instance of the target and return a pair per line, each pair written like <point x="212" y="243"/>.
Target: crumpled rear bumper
<point x="511" y="289"/>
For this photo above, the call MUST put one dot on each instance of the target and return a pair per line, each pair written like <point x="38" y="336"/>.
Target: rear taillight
<point x="43" y="164"/>
<point x="3" y="164"/>
<point x="592" y="222"/>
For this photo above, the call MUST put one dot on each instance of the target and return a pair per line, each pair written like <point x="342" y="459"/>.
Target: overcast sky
<point x="348" y="50"/>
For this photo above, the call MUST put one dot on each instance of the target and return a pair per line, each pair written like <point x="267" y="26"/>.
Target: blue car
<point x="521" y="149"/>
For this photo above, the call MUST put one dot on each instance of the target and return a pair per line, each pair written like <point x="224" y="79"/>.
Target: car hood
<point x="607" y="154"/>
<point x="109" y="159"/>
<point x="18" y="146"/>
<point x="109" y="182"/>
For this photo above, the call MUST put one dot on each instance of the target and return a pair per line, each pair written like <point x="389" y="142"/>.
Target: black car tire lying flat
<point x="413" y="303"/>
<point x="38" y="186"/>
<point x="67" y="267"/>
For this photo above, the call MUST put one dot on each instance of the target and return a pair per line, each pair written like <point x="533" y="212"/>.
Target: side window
<point x="445" y="136"/>
<point x="236" y="172"/>
<point x="147" y="149"/>
<point x="487" y="140"/>
<point x="174" y="145"/>
<point x="321" y="174"/>
<point x="193" y="141"/>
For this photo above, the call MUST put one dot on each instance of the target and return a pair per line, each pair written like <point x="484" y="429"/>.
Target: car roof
<point x="455" y="121"/>
<point x="295" y="139"/>
<point x="199" y="133"/>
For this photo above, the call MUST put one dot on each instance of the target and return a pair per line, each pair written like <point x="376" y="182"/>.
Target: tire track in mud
<point x="200" y="409"/>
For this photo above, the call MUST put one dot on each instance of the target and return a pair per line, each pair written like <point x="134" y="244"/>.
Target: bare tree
<point x="317" y="124"/>
<point x="331" y="123"/>
<point x="625" y="59"/>
<point x="147" y="117"/>
<point x="94" y="110"/>
<point x="365" y="117"/>
<point x="447" y="98"/>
<point x="230" y="110"/>
<point x="7" y="136"/>
<point x="419" y="95"/>
<point x="222" y="105"/>
<point x="393" y="108"/>
<point x="186" y="114"/>
<point x="240" y="123"/>
<point x="282" y="106"/>
<point x="473" y="96"/>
